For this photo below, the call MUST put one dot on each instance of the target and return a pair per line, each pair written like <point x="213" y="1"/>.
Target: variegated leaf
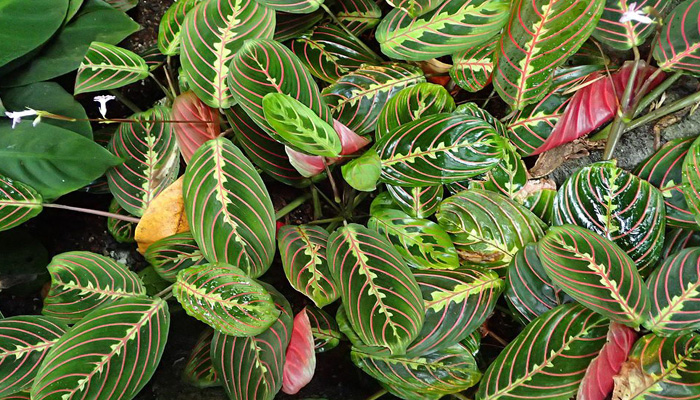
<point x="293" y="6"/>
<point x="677" y="48"/>
<point x="595" y="272"/>
<point x="417" y="202"/>
<point x="212" y="32"/>
<point x="625" y="35"/>
<point x="170" y="26"/>
<point x="228" y="208"/>
<point x="303" y="252"/>
<point x="18" y="203"/>
<point x="324" y="328"/>
<point x="122" y="231"/>
<point x="357" y="15"/>
<point x="416" y="8"/>
<point x="226" y="299"/>
<point x="472" y="68"/>
<point x="539" y="37"/>
<point x="691" y="179"/>
<point x="82" y="281"/>
<point x="357" y="98"/>
<point x="106" y="66"/>
<point x="538" y="197"/>
<point x="291" y="26"/>
<point x="679" y="239"/>
<point x="454" y="26"/>
<point x="380" y="295"/>
<point x="172" y="254"/>
<point x="199" y="369"/>
<point x="152" y="159"/>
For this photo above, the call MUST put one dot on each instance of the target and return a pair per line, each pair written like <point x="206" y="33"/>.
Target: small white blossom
<point x="103" y="103"/>
<point x="635" y="14"/>
<point x="16" y="116"/>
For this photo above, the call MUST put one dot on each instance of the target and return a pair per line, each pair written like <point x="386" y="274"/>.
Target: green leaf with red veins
<point x="172" y="254"/>
<point x="122" y="231"/>
<point x="539" y="37"/>
<point x="199" y="370"/>
<point x="170" y="26"/>
<point x="472" y="68"/>
<point x="691" y="179"/>
<point x="357" y="15"/>
<point x="18" y="203"/>
<point x="325" y="330"/>
<point x="106" y="66"/>
<point x="678" y="46"/>
<point x="418" y="202"/>
<point x="212" y="33"/>
<point x="625" y="35"/>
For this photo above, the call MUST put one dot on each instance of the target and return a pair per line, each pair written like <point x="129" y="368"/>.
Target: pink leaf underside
<point x="300" y="362"/>
<point x="204" y="125"/>
<point x="350" y="141"/>
<point x="596" y="104"/>
<point x="598" y="382"/>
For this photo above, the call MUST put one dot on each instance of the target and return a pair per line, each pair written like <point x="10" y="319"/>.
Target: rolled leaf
<point x="122" y="231"/>
<point x="548" y="359"/>
<point x="199" y="369"/>
<point x="300" y="359"/>
<point x="106" y="66"/>
<point x="472" y="68"/>
<point x="677" y="46"/>
<point x="225" y="298"/>
<point x="197" y="123"/>
<point x="453" y="26"/>
<point x="324" y="329"/>
<point x="18" y="203"/>
<point x="380" y="295"/>
<point x="417" y="202"/>
<point x="172" y="254"/>
<point x="625" y="35"/>
<point x="691" y="179"/>
<point x="595" y="272"/>
<point x="170" y="26"/>
<point x="229" y="209"/>
<point x="82" y="281"/>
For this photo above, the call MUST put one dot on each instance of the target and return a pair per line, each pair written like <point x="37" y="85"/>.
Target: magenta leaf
<point x="598" y="382"/>
<point x="204" y="123"/>
<point x="300" y="362"/>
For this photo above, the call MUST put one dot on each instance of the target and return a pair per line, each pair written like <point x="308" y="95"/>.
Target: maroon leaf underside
<point x="204" y="123"/>
<point x="300" y="362"/>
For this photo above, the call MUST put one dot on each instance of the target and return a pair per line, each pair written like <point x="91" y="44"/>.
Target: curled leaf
<point x="300" y="362"/>
<point x="204" y="123"/>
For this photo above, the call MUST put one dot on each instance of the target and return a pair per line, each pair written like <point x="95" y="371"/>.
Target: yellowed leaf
<point x="165" y="216"/>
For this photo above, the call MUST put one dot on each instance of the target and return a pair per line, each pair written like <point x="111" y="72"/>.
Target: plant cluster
<point x="425" y="216"/>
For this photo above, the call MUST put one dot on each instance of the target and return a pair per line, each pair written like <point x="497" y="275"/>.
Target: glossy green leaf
<point x="454" y="26"/>
<point x="18" y="203"/>
<point x="474" y="110"/>
<point x="691" y="179"/>
<point x="421" y="242"/>
<point x="152" y="159"/>
<point x="548" y="359"/>
<point x="538" y="197"/>
<point x="199" y="369"/>
<point x="411" y="104"/>
<point x="212" y="32"/>
<point x="529" y="290"/>
<point x="357" y="15"/>
<point x="24" y="342"/>
<point x="170" y="26"/>
<point x="677" y="46"/>
<point x="472" y="68"/>
<point x="363" y="173"/>
<point x="291" y="26"/>
<point x="296" y="125"/>
<point x="625" y="35"/>
<point x="457" y="302"/>
<point x="617" y="205"/>
<point x="109" y="67"/>
<point x="172" y="254"/>
<point x="225" y="298"/>
<point x="417" y="202"/>
<point x="303" y="252"/>
<point x="324" y="329"/>
<point x="112" y="352"/>
<point x="674" y="288"/>
<point x="439" y="149"/>
<point x="357" y="98"/>
<point x="595" y="272"/>
<point x="679" y="239"/>
<point x="122" y="231"/>
<point x="664" y="170"/>
<point x="539" y="37"/>
<point x="229" y="209"/>
<point x="82" y="281"/>
<point x="661" y="368"/>
<point x="380" y="295"/>
<point x="509" y="176"/>
<point x="488" y="228"/>
<point x="329" y="53"/>
<point x="445" y="371"/>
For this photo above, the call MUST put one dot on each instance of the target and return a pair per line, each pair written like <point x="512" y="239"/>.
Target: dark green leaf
<point x="324" y="328"/>
<point x="472" y="68"/>
<point x="199" y="369"/>
<point x="18" y="203"/>
<point x="677" y="46"/>
<point x="172" y="254"/>
<point x="625" y="35"/>
<point x="122" y="231"/>
<point x="691" y="179"/>
<point x="418" y="202"/>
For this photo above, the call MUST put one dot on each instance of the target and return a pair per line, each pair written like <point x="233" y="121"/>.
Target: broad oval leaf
<point x="439" y="149"/>
<point x="212" y="32"/>
<point x="170" y="26"/>
<point x="488" y="228"/>
<point x="24" y="342"/>
<point x="548" y="359"/>
<point x="172" y="254"/>
<point x="18" y="203"/>
<point x="106" y="66"/>
<point x="617" y="205"/>
<point x="297" y="126"/>
<point x="357" y="15"/>
<point x="357" y="98"/>
<point x="303" y="252"/>
<point x="380" y="295"/>
<point x="199" y="369"/>
<point x="300" y="358"/>
<point x="197" y="123"/>
<point x="539" y="37"/>
<point x="291" y="26"/>
<point x="472" y="68"/>
<point x="691" y="179"/>
<point x="455" y="25"/>
<point x="445" y="371"/>
<point x="529" y="290"/>
<point x="625" y="35"/>
<point x="595" y="272"/>
<point x="677" y="46"/>
<point x="661" y="368"/>
<point x="329" y="53"/>
<point x="228" y="208"/>
<point x="411" y="104"/>
<point x="421" y="242"/>
<point x="125" y="341"/>
<point x="324" y="328"/>
<point x="664" y="170"/>
<point x="675" y="294"/>
<point x="251" y="368"/>
<point x="417" y="202"/>
<point x="82" y="281"/>
<point x="225" y="298"/>
<point x="152" y="160"/>
<point x="122" y="231"/>
<point x="457" y="302"/>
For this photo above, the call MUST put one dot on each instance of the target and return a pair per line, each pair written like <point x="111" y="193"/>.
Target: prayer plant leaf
<point x="106" y="66"/>
<point x="691" y="179"/>
<point x="625" y="35"/>
<point x="324" y="328"/>
<point x="172" y="254"/>
<point x="199" y="369"/>
<point x="170" y="26"/>
<point x="417" y="202"/>
<point x="18" y="203"/>
<point x="677" y="48"/>
<point x="472" y="68"/>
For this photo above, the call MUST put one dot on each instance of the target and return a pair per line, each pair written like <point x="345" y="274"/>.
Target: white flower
<point x="16" y="116"/>
<point x="635" y="14"/>
<point x="103" y="103"/>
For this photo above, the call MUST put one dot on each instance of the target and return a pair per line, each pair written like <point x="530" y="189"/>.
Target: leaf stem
<point x="664" y="111"/>
<point x="316" y="202"/>
<point x="93" y="212"/>
<point x="133" y="107"/>
<point x="162" y="88"/>
<point x="326" y="220"/>
<point x="165" y="291"/>
<point x="377" y="395"/>
<point x="618" y="125"/>
<point x="293" y="205"/>
<point x="352" y="35"/>
<point x="168" y="76"/>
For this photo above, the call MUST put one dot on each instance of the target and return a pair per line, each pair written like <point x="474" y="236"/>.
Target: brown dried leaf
<point x="552" y="159"/>
<point x="165" y="216"/>
<point x="631" y="379"/>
